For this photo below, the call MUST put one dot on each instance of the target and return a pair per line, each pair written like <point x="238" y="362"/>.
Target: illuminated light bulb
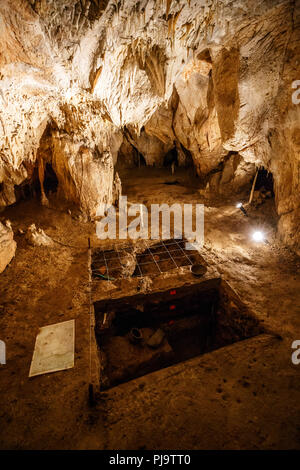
<point x="258" y="236"/>
<point x="240" y="206"/>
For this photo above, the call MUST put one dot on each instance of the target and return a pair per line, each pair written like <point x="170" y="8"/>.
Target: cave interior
<point x="183" y="339"/>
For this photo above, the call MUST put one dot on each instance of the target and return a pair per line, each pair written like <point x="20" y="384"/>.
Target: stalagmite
<point x="41" y="171"/>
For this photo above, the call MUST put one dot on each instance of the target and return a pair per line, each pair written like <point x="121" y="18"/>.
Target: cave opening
<point x="139" y="159"/>
<point x="264" y="181"/>
<point x="30" y="189"/>
<point x="50" y="180"/>
<point x="205" y="55"/>
<point x="171" y="158"/>
<point x="262" y="189"/>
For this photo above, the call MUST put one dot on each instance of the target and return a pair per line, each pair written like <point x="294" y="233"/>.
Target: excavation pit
<point x="175" y="325"/>
<point x="156" y="259"/>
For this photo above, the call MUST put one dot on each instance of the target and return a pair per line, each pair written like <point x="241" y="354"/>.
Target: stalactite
<point x="168" y="6"/>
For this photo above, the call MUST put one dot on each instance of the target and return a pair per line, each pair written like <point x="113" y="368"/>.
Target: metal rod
<point x="106" y="263"/>
<point x="253" y="187"/>
<point x="91" y="387"/>
<point x="189" y="259"/>
<point x="171" y="257"/>
<point x="154" y="260"/>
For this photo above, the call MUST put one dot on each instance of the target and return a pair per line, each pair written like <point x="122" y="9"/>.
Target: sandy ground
<point x="244" y="396"/>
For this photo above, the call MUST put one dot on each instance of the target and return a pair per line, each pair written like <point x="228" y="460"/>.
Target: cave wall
<point x="212" y="77"/>
<point x="38" y="94"/>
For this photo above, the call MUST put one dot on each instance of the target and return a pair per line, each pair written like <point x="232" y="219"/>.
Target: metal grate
<point x="155" y="259"/>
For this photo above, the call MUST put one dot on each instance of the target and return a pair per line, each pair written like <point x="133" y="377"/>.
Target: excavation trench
<point x="154" y="260"/>
<point x="140" y="334"/>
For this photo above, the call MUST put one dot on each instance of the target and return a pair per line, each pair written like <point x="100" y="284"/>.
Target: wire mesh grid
<point x="155" y="259"/>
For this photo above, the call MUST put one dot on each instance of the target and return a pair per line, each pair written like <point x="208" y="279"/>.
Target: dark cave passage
<point x="50" y="181"/>
<point x="264" y="181"/>
<point x="171" y="158"/>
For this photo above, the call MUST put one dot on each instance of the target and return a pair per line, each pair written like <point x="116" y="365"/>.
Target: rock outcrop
<point x="7" y="245"/>
<point x="81" y="80"/>
<point x="37" y="237"/>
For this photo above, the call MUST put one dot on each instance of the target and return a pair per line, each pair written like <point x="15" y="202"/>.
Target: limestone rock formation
<point x="37" y="237"/>
<point x="7" y="245"/>
<point x="83" y="83"/>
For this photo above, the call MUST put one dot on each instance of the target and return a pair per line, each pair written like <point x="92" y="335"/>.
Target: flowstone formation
<point x="83" y="83"/>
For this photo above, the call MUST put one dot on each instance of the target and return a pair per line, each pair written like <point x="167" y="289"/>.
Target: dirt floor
<point x="243" y="396"/>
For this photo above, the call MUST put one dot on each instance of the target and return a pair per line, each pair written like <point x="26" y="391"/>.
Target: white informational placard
<point x="54" y="348"/>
